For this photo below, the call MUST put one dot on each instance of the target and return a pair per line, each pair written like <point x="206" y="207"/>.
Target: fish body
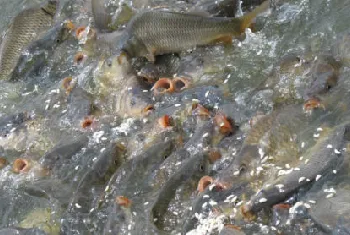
<point x="191" y="171"/>
<point x="102" y="169"/>
<point x="25" y="28"/>
<point x="153" y="33"/>
<point x="63" y="150"/>
<point x="37" y="53"/>
<point x="322" y="160"/>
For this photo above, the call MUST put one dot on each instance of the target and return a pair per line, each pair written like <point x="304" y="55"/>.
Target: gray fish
<point x="134" y="170"/>
<point x="25" y="28"/>
<point x="101" y="171"/>
<point x="7" y="123"/>
<point x="80" y="105"/>
<point x="38" y="52"/>
<point x="191" y="171"/>
<point x="325" y="73"/>
<point x="322" y="159"/>
<point x="63" y="150"/>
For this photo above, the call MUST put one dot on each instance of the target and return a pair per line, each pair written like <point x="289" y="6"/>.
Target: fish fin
<point x="101" y="18"/>
<point x="150" y="55"/>
<point x="225" y="39"/>
<point x="125" y="14"/>
<point x="247" y="19"/>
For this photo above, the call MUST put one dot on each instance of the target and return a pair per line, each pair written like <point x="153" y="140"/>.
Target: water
<point x="261" y="74"/>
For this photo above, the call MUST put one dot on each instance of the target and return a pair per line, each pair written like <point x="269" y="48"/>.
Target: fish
<point x="152" y="33"/>
<point x="25" y="28"/>
<point x="325" y="74"/>
<point x="164" y="66"/>
<point x="65" y="149"/>
<point x="191" y="170"/>
<point x="41" y="218"/>
<point x="33" y="58"/>
<point x="80" y="105"/>
<point x="104" y="22"/>
<point x="130" y="175"/>
<point x="101" y="171"/>
<point x="8" y="122"/>
<point x="207" y="195"/>
<point x="322" y="160"/>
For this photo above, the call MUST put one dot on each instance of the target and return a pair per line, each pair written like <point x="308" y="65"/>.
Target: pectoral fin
<point x="225" y="39"/>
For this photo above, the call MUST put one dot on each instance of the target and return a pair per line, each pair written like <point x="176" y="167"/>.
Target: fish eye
<point x="242" y="168"/>
<point x="58" y="40"/>
<point x="201" y="167"/>
<point x="109" y="63"/>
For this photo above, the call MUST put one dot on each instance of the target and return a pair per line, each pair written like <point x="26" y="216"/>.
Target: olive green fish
<point x="25" y="28"/>
<point x="153" y="33"/>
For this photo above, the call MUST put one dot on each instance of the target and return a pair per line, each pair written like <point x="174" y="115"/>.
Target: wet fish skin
<point x="191" y="171"/>
<point x="325" y="73"/>
<point x="80" y="105"/>
<point x="63" y="150"/>
<point x="128" y="180"/>
<point x="242" y="164"/>
<point x="153" y="33"/>
<point x="217" y="196"/>
<point x="25" y="28"/>
<point x="321" y="160"/>
<point x="137" y="167"/>
<point x="37" y="53"/>
<point x="101" y="171"/>
<point x="164" y="66"/>
<point x="7" y="123"/>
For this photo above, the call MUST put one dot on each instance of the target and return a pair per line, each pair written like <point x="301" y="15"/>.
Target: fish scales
<point x="26" y="27"/>
<point x="164" y="32"/>
<point x="153" y="33"/>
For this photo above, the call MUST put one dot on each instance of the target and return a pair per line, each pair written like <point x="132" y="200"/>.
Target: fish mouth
<point x="313" y="103"/>
<point x="21" y="165"/>
<point x="180" y="84"/>
<point x="204" y="182"/>
<point x="223" y="124"/>
<point x="165" y="121"/>
<point x="163" y="85"/>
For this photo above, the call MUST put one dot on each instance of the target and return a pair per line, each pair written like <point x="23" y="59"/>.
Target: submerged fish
<point x="25" y="28"/>
<point x="153" y="33"/>
<point x="322" y="160"/>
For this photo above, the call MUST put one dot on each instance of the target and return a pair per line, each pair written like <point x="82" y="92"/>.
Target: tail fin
<point x="247" y="19"/>
<point x="101" y="18"/>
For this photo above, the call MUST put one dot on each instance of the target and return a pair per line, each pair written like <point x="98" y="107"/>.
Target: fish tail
<point x="101" y="18"/>
<point x="247" y="19"/>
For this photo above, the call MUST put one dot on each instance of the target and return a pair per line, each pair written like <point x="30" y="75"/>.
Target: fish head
<point x="201" y="167"/>
<point x="325" y="77"/>
<point x="50" y="7"/>
<point x="240" y="169"/>
<point x="115" y="66"/>
<point x="149" y="72"/>
<point x="113" y="71"/>
<point x="63" y="34"/>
